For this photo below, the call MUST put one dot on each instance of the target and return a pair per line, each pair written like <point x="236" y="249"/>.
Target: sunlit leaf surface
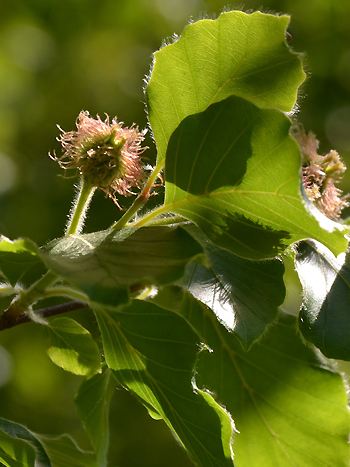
<point x="72" y="347"/>
<point x="234" y="170"/>
<point x="238" y="54"/>
<point x="233" y="288"/>
<point x="289" y="405"/>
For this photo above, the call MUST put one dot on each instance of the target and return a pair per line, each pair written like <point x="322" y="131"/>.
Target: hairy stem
<point x="141" y="200"/>
<point x="149" y="216"/>
<point x="80" y="207"/>
<point x="168" y="220"/>
<point x="20" y="308"/>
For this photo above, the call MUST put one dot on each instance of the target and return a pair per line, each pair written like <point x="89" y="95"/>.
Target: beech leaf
<point x="238" y="54"/>
<point x="289" y="405"/>
<point x="93" y="400"/>
<point x="233" y="288"/>
<point x="324" y="316"/>
<point x="19" y="260"/>
<point x="153" y="352"/>
<point x="234" y="170"/>
<point x="107" y="265"/>
<point x="72" y="347"/>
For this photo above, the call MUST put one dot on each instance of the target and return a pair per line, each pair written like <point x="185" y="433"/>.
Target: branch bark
<point x="7" y="320"/>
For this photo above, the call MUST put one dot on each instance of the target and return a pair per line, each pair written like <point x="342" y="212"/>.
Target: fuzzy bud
<point x="321" y="175"/>
<point x="104" y="153"/>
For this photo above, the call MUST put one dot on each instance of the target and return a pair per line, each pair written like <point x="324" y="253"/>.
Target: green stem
<point x="62" y="291"/>
<point x="79" y="209"/>
<point x="41" y="288"/>
<point x="141" y="200"/>
<point x="149" y="216"/>
<point x="169" y="220"/>
<point x="26" y="298"/>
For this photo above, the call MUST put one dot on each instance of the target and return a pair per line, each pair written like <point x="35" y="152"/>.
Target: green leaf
<point x="93" y="400"/>
<point x="72" y="347"/>
<point x="105" y="265"/>
<point x="324" y="316"/>
<point x="19" y="260"/>
<point x="238" y="54"/>
<point x="15" y="452"/>
<point x="64" y="452"/>
<point x="243" y="294"/>
<point x="152" y="352"/>
<point x="234" y="171"/>
<point x="288" y="404"/>
<point x="20" y="446"/>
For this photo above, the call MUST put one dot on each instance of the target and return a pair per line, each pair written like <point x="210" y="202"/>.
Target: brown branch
<point x="7" y="320"/>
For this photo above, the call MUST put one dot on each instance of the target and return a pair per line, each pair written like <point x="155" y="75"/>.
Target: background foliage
<point x="57" y="58"/>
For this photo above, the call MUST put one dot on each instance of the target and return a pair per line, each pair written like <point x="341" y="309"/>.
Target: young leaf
<point x="324" y="316"/>
<point x="93" y="400"/>
<point x="234" y="170"/>
<point x="19" y="260"/>
<point x="72" y="347"/>
<point x="105" y="265"/>
<point x="288" y="405"/>
<point x="153" y="352"/>
<point x="20" y="446"/>
<point x="238" y="54"/>
<point x="233" y="288"/>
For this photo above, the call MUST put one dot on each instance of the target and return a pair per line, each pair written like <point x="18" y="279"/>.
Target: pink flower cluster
<point x="321" y="175"/>
<point x="106" y="154"/>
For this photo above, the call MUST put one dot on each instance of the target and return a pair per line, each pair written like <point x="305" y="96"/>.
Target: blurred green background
<point x="60" y="56"/>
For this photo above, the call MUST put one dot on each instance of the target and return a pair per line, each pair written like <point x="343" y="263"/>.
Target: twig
<point x="9" y="321"/>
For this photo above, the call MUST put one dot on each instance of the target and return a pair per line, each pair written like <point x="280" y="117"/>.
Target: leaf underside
<point x="107" y="266"/>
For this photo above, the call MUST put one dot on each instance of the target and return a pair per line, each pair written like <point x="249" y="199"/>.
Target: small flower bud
<point x="105" y="154"/>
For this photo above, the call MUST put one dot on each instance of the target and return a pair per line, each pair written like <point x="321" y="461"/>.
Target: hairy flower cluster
<point x="321" y="176"/>
<point x="106" y="154"/>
